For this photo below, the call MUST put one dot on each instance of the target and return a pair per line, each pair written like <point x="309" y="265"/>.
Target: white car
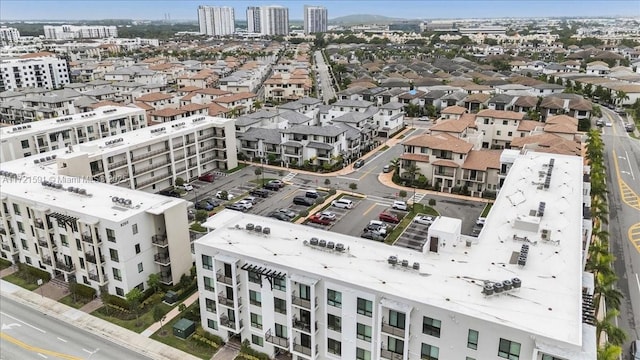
<point x="245" y="204"/>
<point x="219" y="196"/>
<point x="400" y="205"/>
<point x="251" y="199"/>
<point x="329" y="215"/>
<point x="481" y="221"/>
<point x="187" y="187"/>
<point x="423" y="219"/>
<point x="608" y="124"/>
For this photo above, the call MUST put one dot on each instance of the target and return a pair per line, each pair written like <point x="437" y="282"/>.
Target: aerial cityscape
<point x="363" y="180"/>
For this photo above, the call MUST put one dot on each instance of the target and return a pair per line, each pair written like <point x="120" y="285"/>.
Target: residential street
<point x="324" y="80"/>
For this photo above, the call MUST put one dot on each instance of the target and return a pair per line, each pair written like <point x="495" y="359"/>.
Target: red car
<point x="388" y="217"/>
<point x="207" y="177"/>
<point x="318" y="219"/>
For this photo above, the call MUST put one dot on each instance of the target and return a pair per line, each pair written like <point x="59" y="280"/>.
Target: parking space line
<point x="369" y="209"/>
<point x="290" y="194"/>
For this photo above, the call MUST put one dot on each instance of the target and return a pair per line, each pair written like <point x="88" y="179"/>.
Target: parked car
<point x="377" y="226"/>
<point x="278" y="183"/>
<point x="387" y="168"/>
<point x="280" y="216"/>
<point x="343" y="203"/>
<point x="301" y="200"/>
<point x="319" y="219"/>
<point x="259" y="192"/>
<point x="245" y="204"/>
<point x="187" y="187"/>
<point x="329" y="215"/>
<point x="629" y="127"/>
<point x="288" y="213"/>
<point x="634" y="350"/>
<point x="272" y="187"/>
<point x="170" y="192"/>
<point x="312" y="194"/>
<point x="608" y="124"/>
<point x="400" y="205"/>
<point x="600" y="122"/>
<point x="358" y="164"/>
<point x="236" y="207"/>
<point x="372" y="236"/>
<point x="219" y="196"/>
<point x="214" y="202"/>
<point x="207" y="177"/>
<point x="481" y="220"/>
<point x="203" y="205"/>
<point x="423" y="219"/>
<point x="389" y="217"/>
<point x="252" y="199"/>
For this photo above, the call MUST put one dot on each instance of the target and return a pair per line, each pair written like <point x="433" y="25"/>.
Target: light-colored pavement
<point x="105" y="330"/>
<point x="170" y="315"/>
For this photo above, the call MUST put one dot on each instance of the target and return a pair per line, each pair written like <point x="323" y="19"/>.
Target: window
<point x="111" y="235"/>
<point x="25" y="246"/>
<point x="119" y="291"/>
<point x="254" y="277"/>
<point x="256" y="321"/>
<point x="334" y="346"/>
<point x="20" y="227"/>
<point x="362" y="354"/>
<point x="334" y="298"/>
<point x="396" y="346"/>
<point x="365" y="307"/>
<point x="137" y="248"/>
<point x="509" y="349"/>
<point x="510" y="133"/>
<point x="472" y="339"/>
<point x="210" y="305"/>
<point x="207" y="262"/>
<point x="396" y="319"/>
<point x="134" y="228"/>
<point x="280" y="284"/>
<point x="140" y="268"/>
<point x="498" y="132"/>
<point x="364" y="332"/>
<point x="16" y="209"/>
<point x="64" y="241"/>
<point x="469" y="358"/>
<point x="113" y="253"/>
<point x="429" y="352"/>
<point x="255" y="298"/>
<point x="257" y="340"/>
<point x="279" y="305"/>
<point x="24" y="144"/>
<point x="505" y="122"/>
<point x="212" y="324"/>
<point x="431" y="326"/>
<point x="208" y="284"/>
<point x="549" y="357"/>
<point x="334" y="322"/>
<point x="116" y="274"/>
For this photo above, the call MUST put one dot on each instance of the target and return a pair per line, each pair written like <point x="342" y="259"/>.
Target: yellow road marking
<point x="629" y="196"/>
<point x="365" y="174"/>
<point x="615" y="132"/>
<point x="35" y="349"/>
<point x="634" y="235"/>
<point x="290" y="194"/>
<point x="369" y="209"/>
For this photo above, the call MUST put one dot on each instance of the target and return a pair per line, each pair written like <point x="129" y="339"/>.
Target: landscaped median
<point x="320" y="207"/>
<point x="407" y="219"/>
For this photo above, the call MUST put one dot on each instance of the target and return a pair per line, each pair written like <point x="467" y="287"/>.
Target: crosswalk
<point x="289" y="176"/>
<point x="416" y="198"/>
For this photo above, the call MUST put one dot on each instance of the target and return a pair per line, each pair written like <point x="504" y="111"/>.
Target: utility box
<point x="170" y="297"/>
<point x="184" y="328"/>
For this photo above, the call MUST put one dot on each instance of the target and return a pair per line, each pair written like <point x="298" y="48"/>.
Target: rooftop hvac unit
<point x="330" y="245"/>
<point x="82" y="191"/>
<point x="405" y="263"/>
<point x="266" y="230"/>
<point x="54" y="156"/>
<point x="128" y="202"/>
<point x="507" y="285"/>
<point x="114" y="199"/>
<point x="36" y="161"/>
<point x="58" y="186"/>
<point x="392" y="260"/>
<point x="322" y="243"/>
<point x="516" y="283"/>
<point x="249" y="226"/>
<point x="313" y="241"/>
<point x="498" y="287"/>
<point x="48" y="158"/>
<point x="258" y="228"/>
<point x="416" y="266"/>
<point x="43" y="159"/>
<point x="76" y="190"/>
<point x="70" y="189"/>
<point x="339" y="247"/>
<point x="488" y="289"/>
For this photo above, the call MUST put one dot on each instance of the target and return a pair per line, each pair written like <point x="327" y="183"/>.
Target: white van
<point x="343" y="203"/>
<point x="399" y="205"/>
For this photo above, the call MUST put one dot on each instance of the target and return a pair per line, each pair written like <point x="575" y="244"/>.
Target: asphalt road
<point x="324" y="80"/>
<point x="28" y="334"/>
<point x="623" y="164"/>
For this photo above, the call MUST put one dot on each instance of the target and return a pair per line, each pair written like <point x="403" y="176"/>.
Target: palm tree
<point x="615" y="335"/>
<point x="604" y="288"/>
<point x="396" y="165"/>
<point x="621" y="96"/>
<point x="609" y="352"/>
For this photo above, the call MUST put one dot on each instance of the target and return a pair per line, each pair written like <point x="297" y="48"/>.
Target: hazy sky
<point x="184" y="10"/>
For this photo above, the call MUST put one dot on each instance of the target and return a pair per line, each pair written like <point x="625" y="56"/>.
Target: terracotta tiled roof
<point x="562" y="119"/>
<point x="156" y="96"/>
<point x="478" y="98"/>
<point x="167" y="112"/>
<point x="235" y="97"/>
<point x="482" y="160"/>
<point x="526" y="101"/>
<point x="550" y="143"/>
<point x="528" y="125"/>
<point x="454" y="110"/>
<point x="193" y="107"/>
<point x="470" y="119"/>
<point x="104" y="103"/>
<point x="551" y="102"/>
<point x="441" y="142"/>
<point x="447" y="163"/>
<point x="501" y="114"/>
<point x="37" y="55"/>
<point x="451" y="125"/>
<point x="212" y="91"/>
<point x="144" y="106"/>
<point x="415" y="157"/>
<point x="216" y="110"/>
<point x="580" y="104"/>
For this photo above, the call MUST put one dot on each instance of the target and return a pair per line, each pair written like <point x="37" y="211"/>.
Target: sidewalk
<point x="110" y="332"/>
<point x="170" y="315"/>
<point x="386" y="180"/>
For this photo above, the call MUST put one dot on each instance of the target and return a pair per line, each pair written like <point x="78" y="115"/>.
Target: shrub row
<point x="82" y="290"/>
<point x="116" y="301"/>
<point x="35" y="272"/>
<point x="205" y="341"/>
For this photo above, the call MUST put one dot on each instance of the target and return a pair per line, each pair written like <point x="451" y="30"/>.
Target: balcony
<point x="139" y="170"/>
<point x="118" y="178"/>
<point x="117" y="164"/>
<point x="301" y="325"/>
<point x="90" y="257"/>
<point x="64" y="267"/>
<point x="303" y="303"/>
<point x="224" y="300"/>
<point x="39" y="224"/>
<point x="151" y="180"/>
<point x="94" y="276"/>
<point x="302" y="349"/>
<point x="223" y="279"/>
<point x="230" y="324"/>
<point x="276" y="340"/>
<point x="392" y="330"/>
<point x="162" y="259"/>
<point x="207" y="159"/>
<point x="6" y="247"/>
<point x="148" y="154"/>
<point x="444" y="173"/>
<point x="86" y="237"/>
<point x="387" y="354"/>
<point x="43" y="242"/>
<point x="178" y="156"/>
<point x="206" y="136"/>
<point x="46" y="260"/>
<point x="293" y="153"/>
<point x="165" y="278"/>
<point x="160" y="240"/>
<point x="178" y="145"/>
<point x="475" y="178"/>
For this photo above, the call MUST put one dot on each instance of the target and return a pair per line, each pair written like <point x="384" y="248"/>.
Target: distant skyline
<point x="187" y="10"/>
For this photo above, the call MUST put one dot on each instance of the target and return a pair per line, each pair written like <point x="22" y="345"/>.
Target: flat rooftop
<point x="69" y="121"/>
<point x="548" y="303"/>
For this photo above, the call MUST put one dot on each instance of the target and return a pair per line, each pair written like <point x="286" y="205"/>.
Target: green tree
<point x="201" y="216"/>
<point x="158" y="313"/>
<point x="596" y="111"/>
<point x="154" y="282"/>
<point x="621" y="96"/>
<point x="179" y="181"/>
<point x="609" y="352"/>
<point x="412" y="110"/>
<point x="402" y="194"/>
<point x="606" y="325"/>
<point x="257" y="172"/>
<point x="133" y="300"/>
<point x="327" y="182"/>
<point x="353" y="186"/>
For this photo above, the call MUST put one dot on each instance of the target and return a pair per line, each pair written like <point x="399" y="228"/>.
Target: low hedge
<point x="203" y="340"/>
<point x="35" y="272"/>
<point x="117" y="301"/>
<point x="82" y="290"/>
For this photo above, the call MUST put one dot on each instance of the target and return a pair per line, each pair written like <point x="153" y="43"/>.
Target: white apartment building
<point x="45" y="71"/>
<point x="66" y="32"/>
<point x="150" y="159"/>
<point x="9" y="36"/>
<point x="274" y="20"/>
<point x="45" y="135"/>
<point x="316" y="19"/>
<point x="518" y="291"/>
<point x="216" y="20"/>
<point x="253" y="19"/>
<point x="92" y="233"/>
